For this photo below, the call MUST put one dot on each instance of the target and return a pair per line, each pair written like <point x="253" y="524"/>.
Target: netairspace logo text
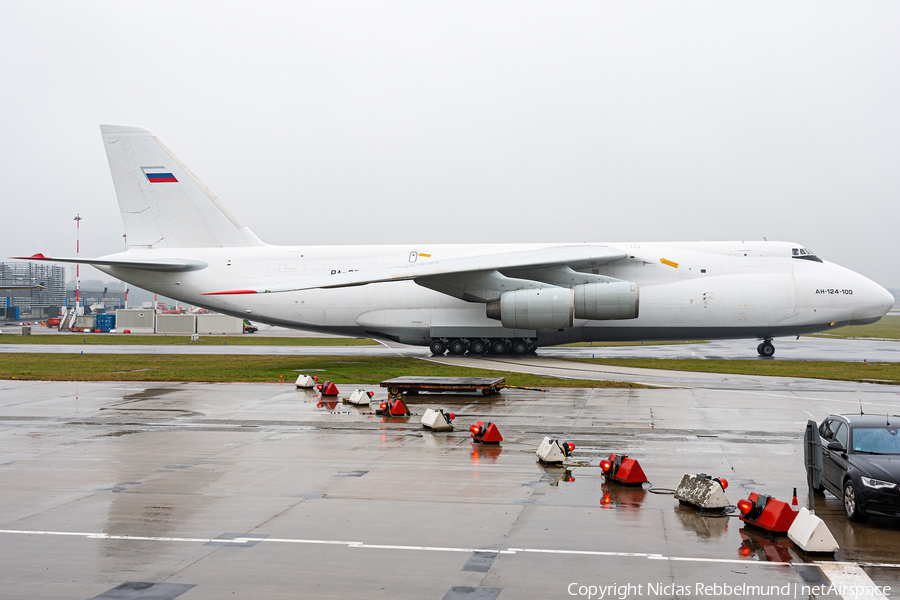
<point x="722" y="590"/>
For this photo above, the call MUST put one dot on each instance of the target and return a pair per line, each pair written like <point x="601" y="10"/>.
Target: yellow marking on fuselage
<point x="669" y="262"/>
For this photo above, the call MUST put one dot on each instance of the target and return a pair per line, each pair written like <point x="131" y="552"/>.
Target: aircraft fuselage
<point x="687" y="291"/>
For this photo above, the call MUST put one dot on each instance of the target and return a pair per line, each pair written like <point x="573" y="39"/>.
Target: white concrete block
<point x="550" y="451"/>
<point x="359" y="396"/>
<point x="306" y="382"/>
<point x="701" y="492"/>
<point x="811" y="533"/>
<point x="436" y="420"/>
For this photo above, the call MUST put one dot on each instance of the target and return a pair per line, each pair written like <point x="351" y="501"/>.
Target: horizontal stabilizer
<point x="167" y="264"/>
<point x="5" y="288"/>
<point x="576" y="257"/>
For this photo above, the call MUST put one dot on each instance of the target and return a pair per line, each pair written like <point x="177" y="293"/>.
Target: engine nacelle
<point x="607" y="301"/>
<point x="548" y="308"/>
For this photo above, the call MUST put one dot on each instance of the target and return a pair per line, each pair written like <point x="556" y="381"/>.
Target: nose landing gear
<point x="766" y="348"/>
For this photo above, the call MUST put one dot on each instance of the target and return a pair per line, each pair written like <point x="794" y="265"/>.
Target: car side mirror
<point x="836" y="446"/>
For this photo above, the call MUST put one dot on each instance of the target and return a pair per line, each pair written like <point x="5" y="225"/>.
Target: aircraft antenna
<point x="860" y="407"/>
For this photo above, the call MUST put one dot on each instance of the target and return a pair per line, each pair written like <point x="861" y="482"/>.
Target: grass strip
<point x="213" y="368"/>
<point x="888" y="328"/>
<point x="881" y="372"/>
<point x="94" y="339"/>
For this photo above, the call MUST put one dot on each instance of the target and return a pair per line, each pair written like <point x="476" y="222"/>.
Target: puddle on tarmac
<point x="149" y="393"/>
<point x="706" y="524"/>
<point x="621" y="496"/>
<point x="763" y="546"/>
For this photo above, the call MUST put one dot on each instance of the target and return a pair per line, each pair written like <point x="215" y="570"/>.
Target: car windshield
<point x="881" y="440"/>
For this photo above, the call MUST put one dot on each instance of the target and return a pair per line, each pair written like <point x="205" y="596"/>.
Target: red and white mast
<point x="77" y="250"/>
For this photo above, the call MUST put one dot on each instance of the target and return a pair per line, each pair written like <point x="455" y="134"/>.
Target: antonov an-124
<point x="499" y="298"/>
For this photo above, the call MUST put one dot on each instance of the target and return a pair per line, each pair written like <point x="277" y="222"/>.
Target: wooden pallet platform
<point x="487" y="385"/>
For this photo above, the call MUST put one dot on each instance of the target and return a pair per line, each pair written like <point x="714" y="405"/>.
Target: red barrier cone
<point x="485" y="433"/>
<point x="622" y="469"/>
<point x="398" y="408"/>
<point x="766" y="513"/>
<point x="329" y="389"/>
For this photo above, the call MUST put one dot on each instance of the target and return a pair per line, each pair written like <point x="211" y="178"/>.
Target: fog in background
<point x="418" y="122"/>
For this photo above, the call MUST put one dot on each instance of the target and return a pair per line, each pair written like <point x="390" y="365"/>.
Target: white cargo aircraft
<point x="183" y="243"/>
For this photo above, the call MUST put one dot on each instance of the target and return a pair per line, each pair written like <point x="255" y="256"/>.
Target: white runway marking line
<point x="849" y="574"/>
<point x="852" y="582"/>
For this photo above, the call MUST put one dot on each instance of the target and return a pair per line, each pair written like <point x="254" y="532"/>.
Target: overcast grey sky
<point x="395" y="122"/>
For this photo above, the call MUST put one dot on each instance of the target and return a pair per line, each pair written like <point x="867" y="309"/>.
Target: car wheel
<point x="852" y="508"/>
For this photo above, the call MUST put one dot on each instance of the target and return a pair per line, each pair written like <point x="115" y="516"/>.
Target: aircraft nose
<point x="875" y="301"/>
<point x="887" y="300"/>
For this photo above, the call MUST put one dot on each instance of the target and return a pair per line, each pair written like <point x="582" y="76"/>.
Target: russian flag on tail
<point x="161" y="178"/>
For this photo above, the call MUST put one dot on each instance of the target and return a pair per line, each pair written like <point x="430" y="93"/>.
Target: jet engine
<point x="547" y="308"/>
<point x="607" y="301"/>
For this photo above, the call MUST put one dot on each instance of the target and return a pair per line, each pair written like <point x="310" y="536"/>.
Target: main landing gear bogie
<point x="480" y="346"/>
<point x="766" y="349"/>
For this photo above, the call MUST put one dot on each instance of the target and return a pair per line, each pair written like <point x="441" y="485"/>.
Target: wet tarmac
<point x="261" y="491"/>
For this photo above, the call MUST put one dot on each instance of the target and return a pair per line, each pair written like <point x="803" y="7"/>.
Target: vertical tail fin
<point x="163" y="204"/>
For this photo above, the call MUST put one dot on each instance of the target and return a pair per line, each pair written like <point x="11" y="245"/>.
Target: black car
<point x="861" y="463"/>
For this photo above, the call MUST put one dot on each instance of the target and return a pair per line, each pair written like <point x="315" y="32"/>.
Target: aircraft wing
<point x="574" y="257"/>
<point x="165" y="264"/>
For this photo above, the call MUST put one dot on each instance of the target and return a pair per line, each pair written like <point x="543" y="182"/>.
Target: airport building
<point x="37" y="303"/>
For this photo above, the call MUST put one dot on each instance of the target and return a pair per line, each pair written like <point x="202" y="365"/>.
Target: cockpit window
<point x="804" y="254"/>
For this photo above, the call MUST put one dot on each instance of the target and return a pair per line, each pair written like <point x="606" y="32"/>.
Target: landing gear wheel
<point x="498" y="347"/>
<point x="851" y="504"/>
<point x="520" y="347"/>
<point x="458" y="347"/>
<point x="478" y="347"/>
<point x="766" y="349"/>
<point x="438" y="347"/>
